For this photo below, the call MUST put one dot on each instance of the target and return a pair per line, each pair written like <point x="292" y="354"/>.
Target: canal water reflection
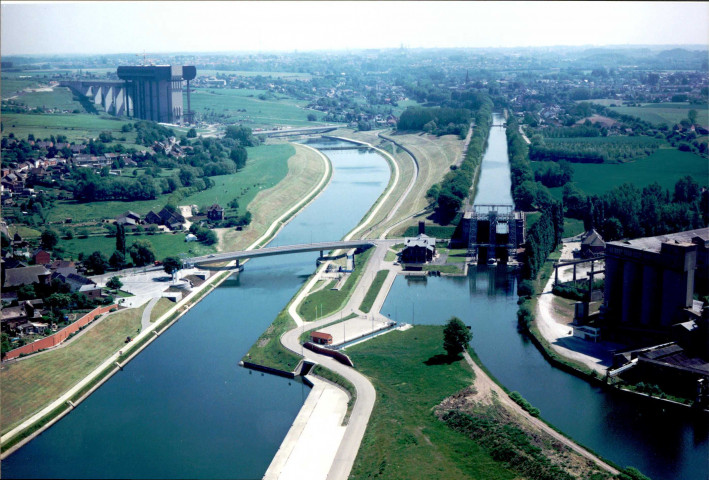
<point x="184" y="408"/>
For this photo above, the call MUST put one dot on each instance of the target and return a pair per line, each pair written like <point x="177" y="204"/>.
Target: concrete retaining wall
<point x="339" y="356"/>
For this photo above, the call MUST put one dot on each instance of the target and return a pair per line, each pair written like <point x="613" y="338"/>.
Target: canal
<point x="664" y="444"/>
<point x="183" y="408"/>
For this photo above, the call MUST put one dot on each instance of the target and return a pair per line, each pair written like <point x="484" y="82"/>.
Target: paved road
<point x="366" y="395"/>
<point x="145" y="319"/>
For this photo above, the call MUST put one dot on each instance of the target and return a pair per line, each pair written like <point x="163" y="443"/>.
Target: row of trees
<point x="448" y="195"/>
<point x="546" y="233"/>
<point x="435" y="120"/>
<point x="627" y="211"/>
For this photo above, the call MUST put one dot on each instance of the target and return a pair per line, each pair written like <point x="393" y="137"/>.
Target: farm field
<point x="9" y="86"/>
<point x="244" y="106"/>
<point x="665" y="167"/>
<point x="266" y="166"/>
<point x="76" y="127"/>
<point x="59" y="98"/>
<point x="669" y="113"/>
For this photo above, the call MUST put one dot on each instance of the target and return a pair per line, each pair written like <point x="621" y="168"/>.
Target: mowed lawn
<point x="244" y="106"/>
<point x="32" y="383"/>
<point x="669" y="113"/>
<point x="404" y="439"/>
<point x="665" y="167"/>
<point x="266" y="166"/>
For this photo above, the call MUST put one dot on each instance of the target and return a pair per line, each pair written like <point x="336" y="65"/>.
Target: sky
<point x="192" y="26"/>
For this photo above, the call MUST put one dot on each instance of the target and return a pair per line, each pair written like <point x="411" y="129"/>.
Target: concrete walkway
<point x="145" y="319"/>
<point x="316" y="430"/>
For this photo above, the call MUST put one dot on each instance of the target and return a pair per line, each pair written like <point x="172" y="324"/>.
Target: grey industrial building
<point x="650" y="282"/>
<point x="155" y="92"/>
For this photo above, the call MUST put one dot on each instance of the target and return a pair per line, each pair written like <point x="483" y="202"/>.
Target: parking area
<point x="354" y="328"/>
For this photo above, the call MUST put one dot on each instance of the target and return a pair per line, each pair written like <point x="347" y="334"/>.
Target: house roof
<point x="215" y="208"/>
<point x="593" y="239"/>
<point x="321" y="335"/>
<point x="422" y="240"/>
<point x="15" y="277"/>
<point x="76" y="278"/>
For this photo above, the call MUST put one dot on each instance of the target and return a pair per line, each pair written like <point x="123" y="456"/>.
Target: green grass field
<point x="30" y="384"/>
<point x="669" y="113"/>
<point x="373" y="290"/>
<point x="328" y="301"/>
<point x="11" y="85"/>
<point x="404" y="439"/>
<point x="267" y="165"/>
<point x="164" y="244"/>
<point x="258" y="113"/>
<point x="76" y="127"/>
<point x="665" y="167"/>
<point x="60" y="98"/>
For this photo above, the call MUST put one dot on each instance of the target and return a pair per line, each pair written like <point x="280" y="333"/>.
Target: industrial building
<point x="493" y="231"/>
<point x="154" y="92"/>
<point x="650" y="282"/>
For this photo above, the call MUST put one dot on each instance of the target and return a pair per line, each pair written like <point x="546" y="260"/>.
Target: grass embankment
<point x="268" y="350"/>
<point x="338" y="379"/>
<point x="32" y="383"/>
<point x="435" y="155"/>
<point x="305" y="169"/>
<point x="161" y="308"/>
<point x="328" y="301"/>
<point x="404" y="439"/>
<point x="164" y="244"/>
<point x="373" y="291"/>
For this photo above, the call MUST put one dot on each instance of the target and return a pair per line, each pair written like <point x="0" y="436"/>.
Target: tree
<point x="238" y="155"/>
<point x="117" y="260"/>
<point x="114" y="283"/>
<point x="121" y="238"/>
<point x="456" y="336"/>
<point x="171" y="265"/>
<point x="97" y="263"/>
<point x="191" y="133"/>
<point x="312" y="117"/>
<point x="142" y="253"/>
<point x="49" y="239"/>
<point x="692" y="116"/>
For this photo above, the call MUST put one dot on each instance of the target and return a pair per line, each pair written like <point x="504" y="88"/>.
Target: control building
<point x="154" y="92"/>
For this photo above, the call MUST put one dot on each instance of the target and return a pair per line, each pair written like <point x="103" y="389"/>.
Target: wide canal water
<point x="666" y="445"/>
<point x="184" y="408"/>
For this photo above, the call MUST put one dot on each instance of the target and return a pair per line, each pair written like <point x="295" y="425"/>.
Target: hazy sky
<point x="132" y="27"/>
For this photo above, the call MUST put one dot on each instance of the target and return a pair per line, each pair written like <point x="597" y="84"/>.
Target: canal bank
<point x="48" y="416"/>
<point x="175" y="429"/>
<point x="662" y="443"/>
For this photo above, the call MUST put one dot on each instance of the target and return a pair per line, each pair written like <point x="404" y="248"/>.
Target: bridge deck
<point x="282" y="250"/>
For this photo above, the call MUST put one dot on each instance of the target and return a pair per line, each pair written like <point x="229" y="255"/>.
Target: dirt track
<point x="484" y="394"/>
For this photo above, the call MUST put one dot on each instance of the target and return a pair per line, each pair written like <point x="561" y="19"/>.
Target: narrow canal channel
<point x="184" y="408"/>
<point x="664" y="444"/>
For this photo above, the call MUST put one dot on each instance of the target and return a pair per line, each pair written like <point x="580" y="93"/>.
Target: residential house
<point x="41" y="257"/>
<point x="62" y="267"/>
<point x="215" y="212"/>
<point x="128" y="218"/>
<point x="79" y="283"/>
<point x="172" y="220"/>
<point x="592" y="244"/>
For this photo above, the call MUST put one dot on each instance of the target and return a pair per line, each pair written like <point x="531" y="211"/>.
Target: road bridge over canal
<point x="321" y="247"/>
